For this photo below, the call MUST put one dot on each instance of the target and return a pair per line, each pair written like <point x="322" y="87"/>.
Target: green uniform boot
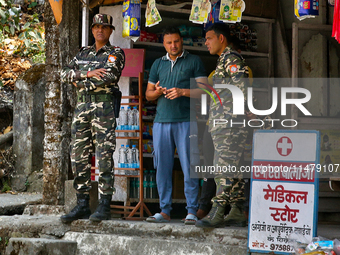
<point x="80" y="211"/>
<point x="214" y="219"/>
<point x="103" y="210"/>
<point x="236" y="217"/>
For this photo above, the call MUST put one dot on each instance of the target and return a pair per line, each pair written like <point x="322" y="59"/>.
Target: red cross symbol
<point x="284" y="146"/>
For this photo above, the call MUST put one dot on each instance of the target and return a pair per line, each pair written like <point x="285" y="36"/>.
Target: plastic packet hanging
<point x="131" y="19"/>
<point x="199" y="11"/>
<point x="306" y="9"/>
<point x="231" y="10"/>
<point x="213" y="16"/>
<point x="152" y="16"/>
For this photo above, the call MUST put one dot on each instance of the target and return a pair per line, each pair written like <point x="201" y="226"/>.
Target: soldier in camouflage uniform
<point x="228" y="141"/>
<point x="95" y="71"/>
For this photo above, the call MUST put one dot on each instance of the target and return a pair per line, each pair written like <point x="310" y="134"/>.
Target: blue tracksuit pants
<point x="167" y="137"/>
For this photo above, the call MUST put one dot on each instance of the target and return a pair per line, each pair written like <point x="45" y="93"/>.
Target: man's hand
<point x="174" y="93"/>
<point x="159" y="89"/>
<point x="98" y="73"/>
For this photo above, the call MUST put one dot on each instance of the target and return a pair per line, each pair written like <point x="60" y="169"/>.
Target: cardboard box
<point x="178" y="185"/>
<point x="261" y="8"/>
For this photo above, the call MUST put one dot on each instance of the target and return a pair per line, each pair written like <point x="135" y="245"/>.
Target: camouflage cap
<point x="102" y="19"/>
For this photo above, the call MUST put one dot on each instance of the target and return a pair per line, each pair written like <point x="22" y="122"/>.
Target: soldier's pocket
<point x="155" y="160"/>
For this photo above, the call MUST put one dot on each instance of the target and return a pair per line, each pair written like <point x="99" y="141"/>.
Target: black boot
<point x="103" y="210"/>
<point x="80" y="211"/>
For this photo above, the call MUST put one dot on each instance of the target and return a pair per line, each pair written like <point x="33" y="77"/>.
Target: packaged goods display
<point x="131" y="19"/>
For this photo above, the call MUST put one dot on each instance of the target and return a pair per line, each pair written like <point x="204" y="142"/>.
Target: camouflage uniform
<point x="94" y="123"/>
<point x="228" y="142"/>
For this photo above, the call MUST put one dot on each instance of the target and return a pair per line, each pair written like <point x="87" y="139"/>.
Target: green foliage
<point x="5" y="186"/>
<point x="28" y="34"/>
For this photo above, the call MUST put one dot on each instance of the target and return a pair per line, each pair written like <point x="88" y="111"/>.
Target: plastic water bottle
<point x="131" y="121"/>
<point x="153" y="184"/>
<point x="123" y="120"/>
<point x="129" y="156"/>
<point x="122" y="157"/>
<point x="146" y="184"/>
<point x="135" y="153"/>
<point x="136" y="121"/>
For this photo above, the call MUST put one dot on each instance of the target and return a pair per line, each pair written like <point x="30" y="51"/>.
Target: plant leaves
<point x="2" y="14"/>
<point x="12" y="30"/>
<point x="26" y="26"/>
<point x="31" y="33"/>
<point x="32" y="5"/>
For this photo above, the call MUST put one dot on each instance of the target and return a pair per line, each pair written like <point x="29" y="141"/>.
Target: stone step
<point x="135" y="237"/>
<point x="37" y="246"/>
<point x="89" y="244"/>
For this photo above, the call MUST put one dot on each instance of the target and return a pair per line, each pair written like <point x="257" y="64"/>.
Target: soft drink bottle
<point x="153" y="184"/>
<point x="146" y="184"/>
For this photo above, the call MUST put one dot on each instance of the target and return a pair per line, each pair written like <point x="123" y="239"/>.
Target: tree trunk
<point x="61" y="44"/>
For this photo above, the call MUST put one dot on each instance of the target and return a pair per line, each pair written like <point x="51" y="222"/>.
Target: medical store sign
<point x="284" y="189"/>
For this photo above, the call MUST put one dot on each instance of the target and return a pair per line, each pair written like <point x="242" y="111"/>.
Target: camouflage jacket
<point x="87" y="59"/>
<point x="230" y="69"/>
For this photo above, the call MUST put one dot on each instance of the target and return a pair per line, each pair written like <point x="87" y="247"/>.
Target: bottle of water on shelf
<point x="131" y="121"/>
<point x="153" y="184"/>
<point x="130" y="157"/>
<point x="146" y="184"/>
<point x="135" y="153"/>
<point x="123" y="120"/>
<point x="136" y="119"/>
<point x="122" y="157"/>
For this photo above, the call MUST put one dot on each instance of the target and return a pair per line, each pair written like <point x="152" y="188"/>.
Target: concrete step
<point x="135" y="237"/>
<point x="37" y="246"/>
<point x="89" y="244"/>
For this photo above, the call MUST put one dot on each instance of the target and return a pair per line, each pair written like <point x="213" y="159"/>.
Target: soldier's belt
<point x="95" y="98"/>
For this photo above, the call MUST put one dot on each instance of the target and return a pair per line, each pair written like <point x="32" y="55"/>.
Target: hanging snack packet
<point x="131" y="19"/>
<point x="306" y="9"/>
<point x="231" y="10"/>
<point x="213" y="16"/>
<point x="199" y="11"/>
<point x="152" y="16"/>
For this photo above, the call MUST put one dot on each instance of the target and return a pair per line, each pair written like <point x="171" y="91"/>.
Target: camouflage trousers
<point x="229" y="145"/>
<point x="93" y="130"/>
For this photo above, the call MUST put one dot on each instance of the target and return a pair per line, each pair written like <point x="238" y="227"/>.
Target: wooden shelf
<point x="205" y="49"/>
<point x="130" y="97"/>
<point x="128" y="137"/>
<point x="136" y="104"/>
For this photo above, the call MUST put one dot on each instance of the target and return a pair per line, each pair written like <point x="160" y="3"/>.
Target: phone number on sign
<point x="281" y="247"/>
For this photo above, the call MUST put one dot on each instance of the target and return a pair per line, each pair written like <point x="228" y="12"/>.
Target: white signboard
<point x="284" y="189"/>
